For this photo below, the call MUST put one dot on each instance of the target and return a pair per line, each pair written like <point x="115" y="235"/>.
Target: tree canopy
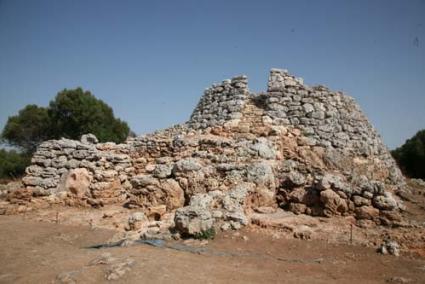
<point x="76" y="112"/>
<point x="28" y="128"/>
<point x="411" y="156"/>
<point x="71" y="114"/>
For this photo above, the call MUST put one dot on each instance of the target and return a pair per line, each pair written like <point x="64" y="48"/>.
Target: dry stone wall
<point x="306" y="149"/>
<point x="221" y="103"/>
<point x="327" y="118"/>
<point x="108" y="166"/>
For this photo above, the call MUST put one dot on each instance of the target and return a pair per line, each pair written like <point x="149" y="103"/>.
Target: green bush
<point x="12" y="163"/>
<point x="71" y="114"/>
<point x="411" y="156"/>
<point x="206" y="235"/>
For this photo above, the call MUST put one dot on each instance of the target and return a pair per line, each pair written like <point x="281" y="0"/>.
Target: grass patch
<point x="206" y="235"/>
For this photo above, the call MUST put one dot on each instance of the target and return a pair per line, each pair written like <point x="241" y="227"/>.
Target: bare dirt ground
<point x="40" y="252"/>
<point x="36" y="249"/>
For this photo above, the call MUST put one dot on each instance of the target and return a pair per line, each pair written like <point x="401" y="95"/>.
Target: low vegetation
<point x="12" y="164"/>
<point x="411" y="156"/>
<point x="206" y="235"/>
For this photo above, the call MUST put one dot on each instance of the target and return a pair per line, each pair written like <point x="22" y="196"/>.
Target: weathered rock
<point x="385" y="202"/>
<point x="65" y="278"/>
<point x="173" y="194"/>
<point x="263" y="148"/>
<point x="367" y="212"/>
<point x="308" y="108"/>
<point x="297" y="208"/>
<point x="390" y="247"/>
<point x="156" y="212"/>
<point x="308" y="197"/>
<point x="306" y="141"/>
<point x="59" y="162"/>
<point x="187" y="165"/>
<point x="77" y="182"/>
<point x="261" y="196"/>
<point x="89" y="139"/>
<point x="418" y="181"/>
<point x="13" y="185"/>
<point x="303" y="232"/>
<point x="389" y="217"/>
<point x="202" y="200"/>
<point x="361" y="201"/>
<point x="330" y="181"/>
<point x="63" y="143"/>
<point x="32" y="181"/>
<point x="153" y="193"/>
<point x="265" y="210"/>
<point x="117" y="270"/>
<point x="333" y="203"/>
<point x="135" y="220"/>
<point x="399" y="280"/>
<point x="163" y="171"/>
<point x="192" y="220"/>
<point x="34" y="170"/>
<point x="143" y="181"/>
<point x="294" y="178"/>
<point x="20" y="196"/>
<point x="261" y="174"/>
<point x="104" y="258"/>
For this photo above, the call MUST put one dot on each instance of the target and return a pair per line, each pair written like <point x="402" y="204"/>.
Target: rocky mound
<point x="305" y="149"/>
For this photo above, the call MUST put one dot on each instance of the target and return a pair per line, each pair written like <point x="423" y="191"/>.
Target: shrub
<point x="12" y="163"/>
<point x="411" y="156"/>
<point x="206" y="235"/>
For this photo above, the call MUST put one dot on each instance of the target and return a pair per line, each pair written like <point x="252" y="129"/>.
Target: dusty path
<point x="39" y="252"/>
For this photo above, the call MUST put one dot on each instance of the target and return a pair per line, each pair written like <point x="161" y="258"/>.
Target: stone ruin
<point x="309" y="150"/>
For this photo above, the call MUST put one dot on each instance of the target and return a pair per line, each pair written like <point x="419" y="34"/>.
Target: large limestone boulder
<point x="135" y="221"/>
<point x="261" y="174"/>
<point x="173" y="194"/>
<point x="333" y="203"/>
<point x="76" y="181"/>
<point x="367" y="212"/>
<point x="193" y="220"/>
<point x="187" y="165"/>
<point x="89" y="139"/>
<point x="385" y="202"/>
<point x="149" y="191"/>
<point x="214" y="209"/>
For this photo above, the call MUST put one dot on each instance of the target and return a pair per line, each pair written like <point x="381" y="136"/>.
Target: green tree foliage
<point x="12" y="163"/>
<point x="411" y="156"/>
<point x="71" y="114"/>
<point x="27" y="129"/>
<point x="76" y="112"/>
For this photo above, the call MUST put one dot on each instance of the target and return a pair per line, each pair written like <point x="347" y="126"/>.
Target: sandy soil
<point x="41" y="252"/>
